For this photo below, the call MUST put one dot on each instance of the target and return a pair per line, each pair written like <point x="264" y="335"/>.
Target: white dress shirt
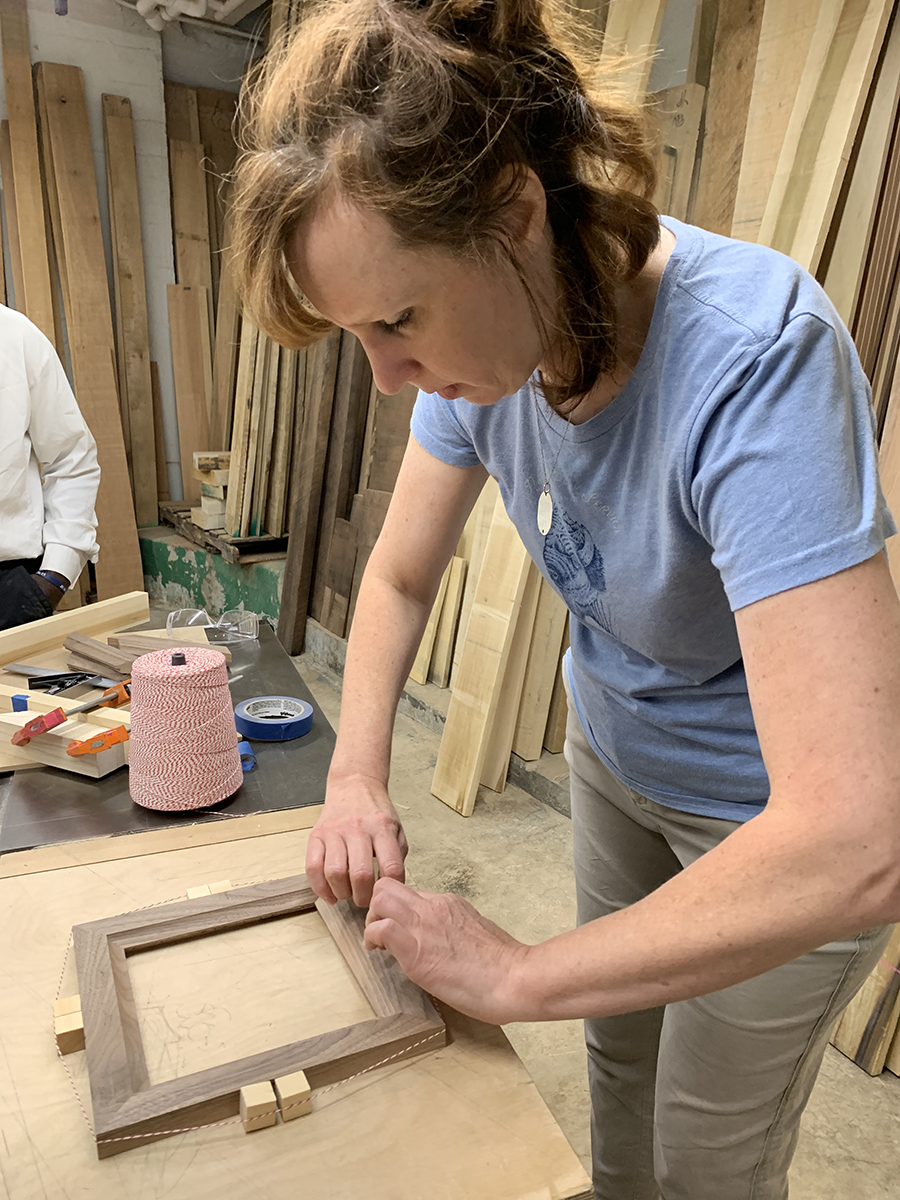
<point x="48" y="459"/>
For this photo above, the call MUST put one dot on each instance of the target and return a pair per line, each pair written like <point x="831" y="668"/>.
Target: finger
<point x="336" y="868"/>
<point x="395" y="939"/>
<point x="315" y="869"/>
<point x="390" y="855"/>
<point x="360" y="868"/>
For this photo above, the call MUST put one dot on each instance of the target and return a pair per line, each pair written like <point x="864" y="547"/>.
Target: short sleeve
<point x="437" y="428"/>
<point x="783" y="467"/>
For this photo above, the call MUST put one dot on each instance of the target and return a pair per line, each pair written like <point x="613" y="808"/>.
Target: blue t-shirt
<point x="738" y="461"/>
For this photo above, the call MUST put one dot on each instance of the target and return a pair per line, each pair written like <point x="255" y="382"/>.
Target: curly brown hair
<point x="431" y="112"/>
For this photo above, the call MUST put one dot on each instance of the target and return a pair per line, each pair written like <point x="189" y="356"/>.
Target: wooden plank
<point x="133" y="336"/>
<point x="886" y="362"/>
<point x="283" y="441"/>
<point x="182" y="112"/>
<point x="541" y="672"/>
<point x="727" y="106"/>
<point x="36" y="296"/>
<point x="11" y="215"/>
<point x="368" y="514"/>
<point x="189" y="331"/>
<point x="257" y="406"/>
<point x="555" y="733"/>
<point x="190" y="217"/>
<point x="21" y="643"/>
<point x="228" y="337"/>
<point x="830" y="99"/>
<point x="159" y="436"/>
<point x="784" y="39"/>
<point x="387" y="433"/>
<point x="445" y="638"/>
<point x="889" y="468"/>
<point x="503" y="728"/>
<point x="870" y="1020"/>
<point x="419" y="671"/>
<point x="216" y="114"/>
<point x="343" y="461"/>
<point x="118" y="569"/>
<point x="339" y="577"/>
<point x="50" y="747"/>
<point x="480" y="520"/>
<point x="307" y="473"/>
<point x="267" y="437"/>
<point x="51" y="196"/>
<point x="476" y="696"/>
<point x="240" y="434"/>
<point x="630" y="38"/>
<point x="844" y="275"/>
<point x="678" y="111"/>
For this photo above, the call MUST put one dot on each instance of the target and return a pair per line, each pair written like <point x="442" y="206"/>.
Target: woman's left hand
<point x="445" y="946"/>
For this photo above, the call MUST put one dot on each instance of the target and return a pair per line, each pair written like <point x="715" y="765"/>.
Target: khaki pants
<point x="700" y="1100"/>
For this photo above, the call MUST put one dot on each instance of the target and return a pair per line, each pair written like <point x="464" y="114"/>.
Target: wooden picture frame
<point x="124" y="1101"/>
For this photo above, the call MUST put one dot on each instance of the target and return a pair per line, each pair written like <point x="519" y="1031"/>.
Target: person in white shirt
<point x="48" y="476"/>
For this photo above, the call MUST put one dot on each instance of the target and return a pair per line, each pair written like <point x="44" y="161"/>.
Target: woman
<point x="682" y="435"/>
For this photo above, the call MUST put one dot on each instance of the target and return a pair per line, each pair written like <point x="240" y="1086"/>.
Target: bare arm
<point x="822" y="861"/>
<point x="430" y="505"/>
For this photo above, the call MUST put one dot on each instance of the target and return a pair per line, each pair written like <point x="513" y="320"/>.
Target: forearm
<point x="387" y="628"/>
<point x="769" y="893"/>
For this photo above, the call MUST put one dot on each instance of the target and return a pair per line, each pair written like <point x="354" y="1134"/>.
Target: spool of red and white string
<point x="184" y="751"/>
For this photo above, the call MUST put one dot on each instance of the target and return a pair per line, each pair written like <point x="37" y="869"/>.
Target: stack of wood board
<point x="207" y="466"/>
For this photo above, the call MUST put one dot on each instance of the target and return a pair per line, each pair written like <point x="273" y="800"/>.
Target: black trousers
<point x="21" y="600"/>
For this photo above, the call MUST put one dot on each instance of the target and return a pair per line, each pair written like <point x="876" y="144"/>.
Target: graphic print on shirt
<point x="575" y="566"/>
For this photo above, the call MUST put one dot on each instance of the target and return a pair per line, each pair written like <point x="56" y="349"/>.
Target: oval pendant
<point x="545" y="512"/>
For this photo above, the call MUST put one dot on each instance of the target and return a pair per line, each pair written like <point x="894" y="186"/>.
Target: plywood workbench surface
<point x="464" y="1123"/>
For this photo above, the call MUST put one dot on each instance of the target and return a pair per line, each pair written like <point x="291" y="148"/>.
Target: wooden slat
<point x="387" y="432"/>
<point x="889" y="467"/>
<point x="844" y="275"/>
<point x="632" y="31"/>
<point x="133" y="340"/>
<point x="475" y="698"/>
<point x="727" y="105"/>
<point x="182" y="113"/>
<point x="307" y="472"/>
<point x="282" y="442"/>
<point x="24" y="642"/>
<point x="555" y="733"/>
<point x="345" y="448"/>
<point x="228" y="336"/>
<point x="541" y="673"/>
<point x="419" y="671"/>
<point x="480" y="520"/>
<point x="190" y="217"/>
<point x="368" y="513"/>
<point x="503" y="728"/>
<point x="339" y="577"/>
<point x="445" y="637"/>
<point x="257" y="407"/>
<point x="830" y="99"/>
<point x="267" y="438"/>
<point x="870" y="1020"/>
<point x="216" y="112"/>
<point x="678" y="111"/>
<point x="240" y="436"/>
<point x="36" y="296"/>
<point x="9" y="212"/>
<point x="189" y="332"/>
<point x="784" y="40"/>
<point x="159" y="435"/>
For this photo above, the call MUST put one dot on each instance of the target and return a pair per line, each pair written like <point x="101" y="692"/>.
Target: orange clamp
<point x="102" y="741"/>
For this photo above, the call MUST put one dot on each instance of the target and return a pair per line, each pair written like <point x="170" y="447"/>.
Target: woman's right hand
<point x="358" y="828"/>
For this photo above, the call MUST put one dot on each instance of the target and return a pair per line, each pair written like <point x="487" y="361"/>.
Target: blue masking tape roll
<point x="273" y="718"/>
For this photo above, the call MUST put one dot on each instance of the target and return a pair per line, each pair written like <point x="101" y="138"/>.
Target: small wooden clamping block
<point x="293" y="1092"/>
<point x="68" y="1025"/>
<point x="259" y="1108"/>
<point x="209" y="889"/>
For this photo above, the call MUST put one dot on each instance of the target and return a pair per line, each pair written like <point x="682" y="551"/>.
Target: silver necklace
<point x="545" y="500"/>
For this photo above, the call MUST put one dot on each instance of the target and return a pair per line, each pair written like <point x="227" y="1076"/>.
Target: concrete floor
<point x="511" y="859"/>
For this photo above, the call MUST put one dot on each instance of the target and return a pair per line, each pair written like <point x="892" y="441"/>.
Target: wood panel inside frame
<point x="127" y="1108"/>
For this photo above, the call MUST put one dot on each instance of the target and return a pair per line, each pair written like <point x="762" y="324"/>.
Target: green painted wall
<point x="180" y="575"/>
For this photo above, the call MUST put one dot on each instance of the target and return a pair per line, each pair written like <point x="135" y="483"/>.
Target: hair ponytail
<point x="429" y="112"/>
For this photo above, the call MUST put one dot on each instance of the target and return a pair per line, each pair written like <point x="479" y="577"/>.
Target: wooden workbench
<point x="463" y="1123"/>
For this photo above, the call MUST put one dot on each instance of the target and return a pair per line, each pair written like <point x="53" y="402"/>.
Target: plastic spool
<point x="184" y="752"/>
<point x="273" y="718"/>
